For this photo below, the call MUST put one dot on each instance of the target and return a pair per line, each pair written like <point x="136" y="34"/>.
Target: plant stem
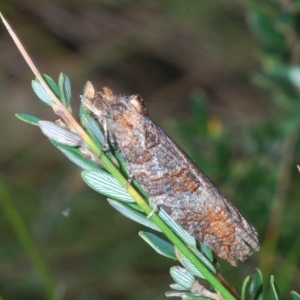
<point x="23" y="236"/>
<point x="268" y="249"/>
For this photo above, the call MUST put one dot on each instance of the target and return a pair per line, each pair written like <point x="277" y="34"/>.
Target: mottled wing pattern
<point x="174" y="181"/>
<point x="181" y="188"/>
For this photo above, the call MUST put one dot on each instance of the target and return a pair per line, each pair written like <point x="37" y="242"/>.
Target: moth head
<point x="137" y="103"/>
<point x="93" y="101"/>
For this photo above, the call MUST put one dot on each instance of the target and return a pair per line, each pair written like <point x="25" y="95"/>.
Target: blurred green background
<point x="220" y="77"/>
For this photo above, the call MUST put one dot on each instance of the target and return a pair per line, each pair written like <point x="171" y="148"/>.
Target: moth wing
<point x="209" y="216"/>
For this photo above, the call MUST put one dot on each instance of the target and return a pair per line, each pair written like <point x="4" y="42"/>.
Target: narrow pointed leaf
<point x="59" y="134"/>
<point x="139" y="188"/>
<point x="245" y="288"/>
<point x="294" y="296"/>
<point x="97" y="135"/>
<point x="184" y="235"/>
<point x="204" y="260"/>
<point x="64" y="85"/>
<point x="74" y="156"/>
<point x="82" y="111"/>
<point x="132" y="214"/>
<point x="122" y="163"/>
<point x="275" y="295"/>
<point x="255" y="290"/>
<point x="28" y="119"/>
<point x="53" y="86"/>
<point x="92" y="127"/>
<point x="176" y="286"/>
<point x="190" y="267"/>
<point x="159" y="245"/>
<point x="207" y="252"/>
<point x="134" y="206"/>
<point x="41" y="93"/>
<point x="182" y="277"/>
<point x="107" y="185"/>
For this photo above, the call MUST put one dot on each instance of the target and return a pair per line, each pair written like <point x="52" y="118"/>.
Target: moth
<point x="170" y="177"/>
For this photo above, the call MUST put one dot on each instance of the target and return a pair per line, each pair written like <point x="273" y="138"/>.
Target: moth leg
<point x="114" y="143"/>
<point x="112" y="140"/>
<point x="106" y="135"/>
<point x="104" y="149"/>
<point x="154" y="210"/>
<point x="129" y="180"/>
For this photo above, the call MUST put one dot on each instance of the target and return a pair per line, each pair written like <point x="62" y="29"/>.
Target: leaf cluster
<point x="96" y="176"/>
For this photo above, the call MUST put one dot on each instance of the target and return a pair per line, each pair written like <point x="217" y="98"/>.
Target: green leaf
<point x="75" y="156"/>
<point x="64" y="85"/>
<point x="255" y="290"/>
<point x="53" y="86"/>
<point x="184" y="235"/>
<point x="82" y="111"/>
<point x="204" y="260"/>
<point x="190" y="266"/>
<point x="159" y="245"/>
<point x="132" y="214"/>
<point x="207" y="252"/>
<point x="294" y="296"/>
<point x="275" y="294"/>
<point x="28" y="119"/>
<point x="122" y="162"/>
<point x="105" y="184"/>
<point x="176" y="286"/>
<point x="182" y="277"/>
<point x="97" y="135"/>
<point x="93" y="129"/>
<point x="245" y="288"/>
<point x="59" y="134"/>
<point x="41" y="92"/>
<point x="134" y="206"/>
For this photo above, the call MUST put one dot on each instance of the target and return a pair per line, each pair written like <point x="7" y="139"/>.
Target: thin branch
<point x="283" y="183"/>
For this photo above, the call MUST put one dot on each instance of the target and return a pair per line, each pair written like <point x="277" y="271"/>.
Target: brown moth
<point x="172" y="179"/>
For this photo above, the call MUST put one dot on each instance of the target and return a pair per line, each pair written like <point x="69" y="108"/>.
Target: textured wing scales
<point x="174" y="181"/>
